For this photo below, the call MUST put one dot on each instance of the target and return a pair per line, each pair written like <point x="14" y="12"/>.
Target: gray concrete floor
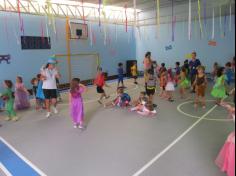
<point x="119" y="143"/>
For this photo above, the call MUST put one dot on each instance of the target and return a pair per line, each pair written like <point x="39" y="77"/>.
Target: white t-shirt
<point x="50" y="82"/>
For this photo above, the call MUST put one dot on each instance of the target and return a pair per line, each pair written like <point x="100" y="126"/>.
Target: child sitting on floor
<point x="142" y="98"/>
<point x="145" y="108"/>
<point x="122" y="99"/>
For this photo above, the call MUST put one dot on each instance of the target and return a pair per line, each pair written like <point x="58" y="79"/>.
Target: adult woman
<point x="50" y="74"/>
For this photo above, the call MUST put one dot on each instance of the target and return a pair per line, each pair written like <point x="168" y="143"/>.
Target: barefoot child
<point x="170" y="86"/>
<point x="134" y="72"/>
<point x="100" y="83"/>
<point x="146" y="109"/>
<point x="184" y="83"/>
<point x="76" y="103"/>
<point x="120" y="71"/>
<point x="8" y="97"/>
<point x="219" y="89"/>
<point x="151" y="85"/>
<point x="200" y="85"/>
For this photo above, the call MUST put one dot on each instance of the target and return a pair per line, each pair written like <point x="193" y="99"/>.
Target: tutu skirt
<point x="226" y="159"/>
<point x="21" y="100"/>
<point x="185" y="83"/>
<point x="219" y="92"/>
<point x="170" y="86"/>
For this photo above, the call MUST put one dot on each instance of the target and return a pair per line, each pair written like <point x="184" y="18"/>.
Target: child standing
<point x="229" y="73"/>
<point x="40" y="95"/>
<point x="141" y="100"/>
<point x="21" y="95"/>
<point x="120" y="71"/>
<point x="184" y="83"/>
<point x="170" y="86"/>
<point x="177" y="73"/>
<point x="8" y="97"/>
<point x="134" y="72"/>
<point x="219" y="90"/>
<point x="151" y="85"/>
<point x="214" y="71"/>
<point x="1" y="104"/>
<point x="163" y="82"/>
<point x="76" y="103"/>
<point x="100" y="83"/>
<point x="200" y="87"/>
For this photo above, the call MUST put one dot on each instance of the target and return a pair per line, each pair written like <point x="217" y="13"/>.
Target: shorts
<point x="150" y="91"/>
<point x="100" y="90"/>
<point x="120" y="79"/>
<point x="50" y="93"/>
<point x="200" y="90"/>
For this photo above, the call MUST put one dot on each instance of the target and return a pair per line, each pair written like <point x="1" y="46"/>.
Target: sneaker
<point x="75" y="126"/>
<point x="55" y="110"/>
<point x="82" y="127"/>
<point x="15" y="119"/>
<point x="48" y="114"/>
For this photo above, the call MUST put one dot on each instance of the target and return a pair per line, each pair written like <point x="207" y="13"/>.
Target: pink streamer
<point x="126" y="19"/>
<point x="99" y="10"/>
<point x="42" y="31"/>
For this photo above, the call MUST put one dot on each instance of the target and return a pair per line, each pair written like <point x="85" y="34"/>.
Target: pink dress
<point x="76" y="106"/>
<point x="21" y="97"/>
<point x="226" y="159"/>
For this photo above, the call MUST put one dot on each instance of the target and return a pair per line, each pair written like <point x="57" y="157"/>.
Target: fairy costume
<point x="219" y="90"/>
<point x="76" y="106"/>
<point x="7" y="96"/>
<point x="184" y="82"/>
<point x="21" y="97"/>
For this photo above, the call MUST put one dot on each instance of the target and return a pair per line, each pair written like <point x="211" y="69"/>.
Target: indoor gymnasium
<point x="117" y="87"/>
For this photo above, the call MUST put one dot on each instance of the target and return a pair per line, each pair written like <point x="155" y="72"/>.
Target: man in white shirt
<point x="50" y="73"/>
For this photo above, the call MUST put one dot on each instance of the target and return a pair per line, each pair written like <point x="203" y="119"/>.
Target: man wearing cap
<point x="50" y="74"/>
<point x="194" y="64"/>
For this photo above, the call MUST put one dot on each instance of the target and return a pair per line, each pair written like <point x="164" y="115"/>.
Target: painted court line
<point x="156" y="158"/>
<point x="4" y="170"/>
<point x="41" y="173"/>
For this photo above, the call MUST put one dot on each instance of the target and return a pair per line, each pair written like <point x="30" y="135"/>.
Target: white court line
<point x="41" y="173"/>
<point x="156" y="158"/>
<point x="5" y="171"/>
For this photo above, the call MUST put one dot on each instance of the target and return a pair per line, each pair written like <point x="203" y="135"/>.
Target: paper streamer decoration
<point x="199" y="17"/>
<point x="51" y="20"/>
<point x="126" y="19"/>
<point x="6" y="28"/>
<point x="42" y="31"/>
<point x="220" y="20"/>
<point x="190" y="20"/>
<point x="158" y="18"/>
<point x="212" y="43"/>
<point x="169" y="47"/>
<point x="135" y="13"/>
<point x="225" y="23"/>
<point x="99" y="11"/>
<point x="230" y="17"/>
<point x="21" y="22"/>
<point x="213" y="25"/>
<point x="83" y="11"/>
<point x="116" y="32"/>
<point x="91" y="34"/>
<point x="188" y="56"/>
<point x="205" y="13"/>
<point x="173" y="33"/>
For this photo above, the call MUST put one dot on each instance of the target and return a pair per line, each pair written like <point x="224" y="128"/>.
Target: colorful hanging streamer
<point x="126" y="19"/>
<point x="230" y="17"/>
<point x="90" y="34"/>
<point x="21" y="22"/>
<point x="205" y="13"/>
<point x="190" y="20"/>
<point x="173" y="33"/>
<point x="99" y="11"/>
<point x="42" y="31"/>
<point x="221" y="21"/>
<point x="135" y="13"/>
<point x="199" y="18"/>
<point x="6" y="28"/>
<point x="83" y="11"/>
<point x="213" y="25"/>
<point x="158" y="18"/>
<point x="225" y="23"/>
<point x="49" y="13"/>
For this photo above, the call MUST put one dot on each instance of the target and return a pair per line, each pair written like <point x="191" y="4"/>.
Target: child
<point x="8" y="97"/>
<point x="76" y="103"/>
<point x="122" y="99"/>
<point x="184" y="83"/>
<point x="21" y="95"/>
<point x="34" y="83"/>
<point x="146" y="109"/>
<point x="120" y="71"/>
<point x="170" y="86"/>
<point x="219" y="90"/>
<point x="58" y="92"/>
<point x="1" y="105"/>
<point x="177" y="73"/>
<point x="186" y="66"/>
<point x="151" y="85"/>
<point x="214" y="71"/>
<point x="134" y="72"/>
<point x="229" y="73"/>
<point x="40" y="95"/>
<point x="100" y="83"/>
<point x="200" y="87"/>
<point x="226" y="158"/>
<point x="163" y="82"/>
<point x="141" y="100"/>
